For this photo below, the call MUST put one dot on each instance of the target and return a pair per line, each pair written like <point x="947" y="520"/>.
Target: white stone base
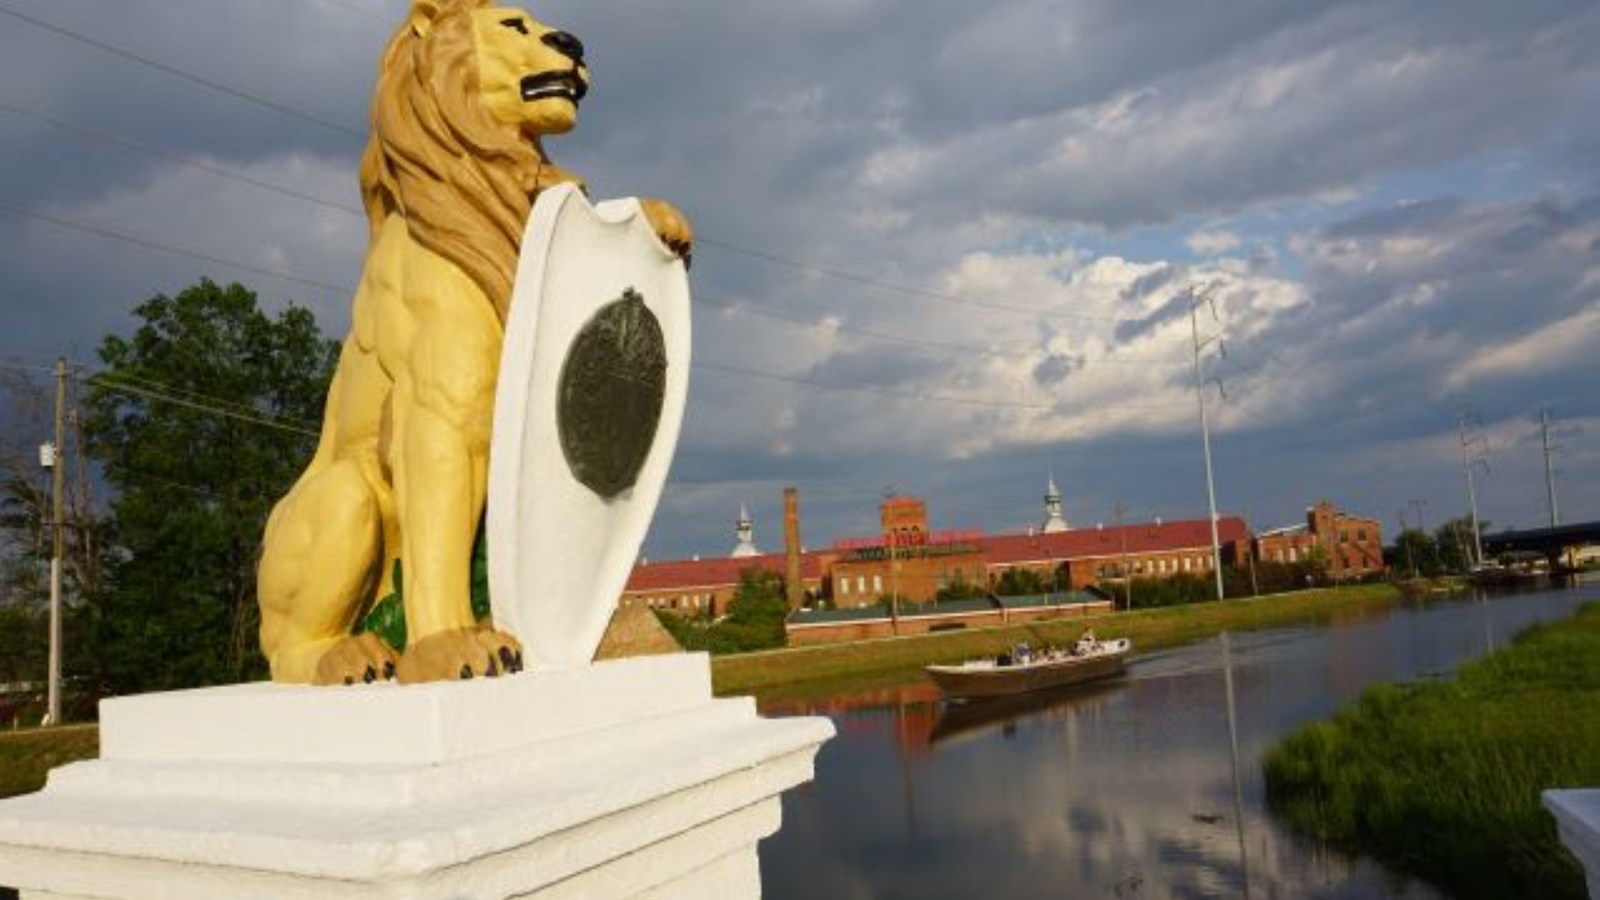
<point x="1577" y="815"/>
<point x="622" y="779"/>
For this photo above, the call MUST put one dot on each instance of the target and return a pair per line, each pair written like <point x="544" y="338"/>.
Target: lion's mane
<point x="463" y="181"/>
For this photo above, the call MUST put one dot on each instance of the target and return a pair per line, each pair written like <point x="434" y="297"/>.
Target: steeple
<point x="1053" y="520"/>
<point x="745" y="532"/>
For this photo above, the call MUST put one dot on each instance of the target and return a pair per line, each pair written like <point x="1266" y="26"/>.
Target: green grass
<point x="26" y="756"/>
<point x="819" y="670"/>
<point x="1442" y="779"/>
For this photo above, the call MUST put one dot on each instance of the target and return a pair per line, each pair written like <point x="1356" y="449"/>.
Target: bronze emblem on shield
<point x="612" y="387"/>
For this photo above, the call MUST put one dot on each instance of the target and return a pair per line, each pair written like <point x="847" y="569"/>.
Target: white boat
<point x="1027" y="670"/>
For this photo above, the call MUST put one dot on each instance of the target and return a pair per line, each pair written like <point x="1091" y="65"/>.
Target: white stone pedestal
<point x="622" y="779"/>
<point x="1577" y="815"/>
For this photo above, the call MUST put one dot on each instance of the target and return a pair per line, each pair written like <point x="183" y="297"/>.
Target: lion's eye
<point x="516" y="25"/>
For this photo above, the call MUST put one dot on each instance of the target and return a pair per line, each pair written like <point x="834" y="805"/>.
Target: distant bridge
<point x="1549" y="542"/>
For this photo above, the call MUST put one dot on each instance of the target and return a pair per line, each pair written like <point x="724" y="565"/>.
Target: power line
<point x="174" y="71"/>
<point x="758" y="309"/>
<point x="880" y="284"/>
<point x="865" y="389"/>
<point x="363" y="12"/>
<point x="345" y="291"/>
<point x="25" y="213"/>
<point x="112" y="383"/>
<point x="192" y="395"/>
<point x="914" y="395"/>
<point x="739" y="306"/>
<point x="169" y="156"/>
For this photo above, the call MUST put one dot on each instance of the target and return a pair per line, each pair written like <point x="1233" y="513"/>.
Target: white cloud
<point x="1211" y="242"/>
<point x="1551" y="348"/>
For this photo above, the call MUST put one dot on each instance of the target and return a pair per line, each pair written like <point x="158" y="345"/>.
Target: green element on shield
<point x="613" y="383"/>
<point x="387" y="618"/>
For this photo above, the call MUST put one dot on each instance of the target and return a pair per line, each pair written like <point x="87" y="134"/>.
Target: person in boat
<point x="1086" y="642"/>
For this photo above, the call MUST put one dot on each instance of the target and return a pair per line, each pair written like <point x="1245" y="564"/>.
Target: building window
<point x="844" y="586"/>
<point x="877" y="584"/>
<point x="861" y="584"/>
<point x="1186" y="563"/>
<point x="1361" y="535"/>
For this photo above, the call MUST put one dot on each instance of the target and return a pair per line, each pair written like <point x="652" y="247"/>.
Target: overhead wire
<point x="345" y="291"/>
<point x="704" y="241"/>
<point x="174" y="71"/>
<point x="110" y="234"/>
<point x="113" y="383"/>
<point x="178" y="158"/>
<point x="285" y="109"/>
<point x="741" y="306"/>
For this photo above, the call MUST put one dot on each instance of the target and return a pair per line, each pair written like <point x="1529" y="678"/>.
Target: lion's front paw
<point x="671" y="226"/>
<point x="361" y="657"/>
<point x="460" y="653"/>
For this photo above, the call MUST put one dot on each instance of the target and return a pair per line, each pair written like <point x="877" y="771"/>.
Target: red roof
<point x="1010" y="549"/>
<point x="998" y="550"/>
<point x="724" y="570"/>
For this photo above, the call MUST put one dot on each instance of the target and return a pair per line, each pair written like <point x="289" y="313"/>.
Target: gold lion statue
<point x="466" y="92"/>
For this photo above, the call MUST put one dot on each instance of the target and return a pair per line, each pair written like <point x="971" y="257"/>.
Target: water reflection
<point x="1123" y="789"/>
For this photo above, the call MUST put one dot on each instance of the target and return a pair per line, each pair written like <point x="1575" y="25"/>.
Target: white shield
<point x="559" y="551"/>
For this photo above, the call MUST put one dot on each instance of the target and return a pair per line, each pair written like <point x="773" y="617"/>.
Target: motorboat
<point x="1025" y="669"/>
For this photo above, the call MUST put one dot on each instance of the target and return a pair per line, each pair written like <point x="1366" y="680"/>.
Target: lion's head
<point x="465" y="92"/>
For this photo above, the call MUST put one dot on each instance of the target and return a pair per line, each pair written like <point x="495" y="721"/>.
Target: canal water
<point x="1121" y="790"/>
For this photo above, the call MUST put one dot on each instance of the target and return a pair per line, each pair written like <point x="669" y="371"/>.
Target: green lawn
<point x="26" y="756"/>
<point x="1442" y="779"/>
<point x="819" y="670"/>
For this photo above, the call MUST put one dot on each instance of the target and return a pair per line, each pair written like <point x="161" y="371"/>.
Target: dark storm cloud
<point x="898" y="139"/>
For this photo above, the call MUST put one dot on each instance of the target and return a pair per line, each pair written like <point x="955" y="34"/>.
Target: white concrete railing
<point x="1577" y="815"/>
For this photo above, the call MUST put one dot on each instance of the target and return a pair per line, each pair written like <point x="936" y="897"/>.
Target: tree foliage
<point x="754" y="621"/>
<point x="1018" y="582"/>
<point x="201" y="419"/>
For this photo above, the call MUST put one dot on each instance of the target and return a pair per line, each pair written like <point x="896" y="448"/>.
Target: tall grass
<point x="1442" y="779"/>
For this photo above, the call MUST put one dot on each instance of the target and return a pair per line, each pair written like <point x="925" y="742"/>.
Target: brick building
<point x="857" y="572"/>
<point x="1076" y="559"/>
<point x="1350" y="545"/>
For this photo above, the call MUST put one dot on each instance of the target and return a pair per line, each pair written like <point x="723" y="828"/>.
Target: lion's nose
<point x="565" y="44"/>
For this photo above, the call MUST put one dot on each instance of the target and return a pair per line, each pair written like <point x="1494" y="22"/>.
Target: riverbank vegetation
<point x="822" y="669"/>
<point x="1442" y="779"/>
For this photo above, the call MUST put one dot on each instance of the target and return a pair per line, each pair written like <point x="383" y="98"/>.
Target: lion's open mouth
<point x="554" y="84"/>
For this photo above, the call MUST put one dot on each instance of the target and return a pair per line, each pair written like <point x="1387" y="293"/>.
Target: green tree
<point x="755" y="615"/>
<point x="1455" y="544"/>
<point x="201" y="419"/>
<point x="1020" y="583"/>
<point x="1416" y="551"/>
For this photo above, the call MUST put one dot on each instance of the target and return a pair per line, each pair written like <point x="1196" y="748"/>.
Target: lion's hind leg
<point x="319" y="565"/>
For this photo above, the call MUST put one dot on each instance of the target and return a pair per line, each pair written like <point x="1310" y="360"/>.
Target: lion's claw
<point x="461" y="653"/>
<point x="359" y="656"/>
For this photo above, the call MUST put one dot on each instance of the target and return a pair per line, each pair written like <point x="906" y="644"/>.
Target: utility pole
<point x="1549" y="471"/>
<point x="894" y="565"/>
<point x="1205" y="429"/>
<point x="57" y="489"/>
<point x="1411" y="562"/>
<point x="1420" y="508"/>
<point x="1127" y="573"/>
<point x="1472" y="489"/>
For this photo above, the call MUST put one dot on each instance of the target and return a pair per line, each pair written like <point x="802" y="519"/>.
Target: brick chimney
<point x="791" y="546"/>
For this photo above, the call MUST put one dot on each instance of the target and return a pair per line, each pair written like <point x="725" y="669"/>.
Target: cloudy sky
<point x="944" y="244"/>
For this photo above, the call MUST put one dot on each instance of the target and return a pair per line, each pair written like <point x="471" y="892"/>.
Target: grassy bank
<point x="1442" y="779"/>
<point x="818" y="670"/>
<point x="25" y="756"/>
